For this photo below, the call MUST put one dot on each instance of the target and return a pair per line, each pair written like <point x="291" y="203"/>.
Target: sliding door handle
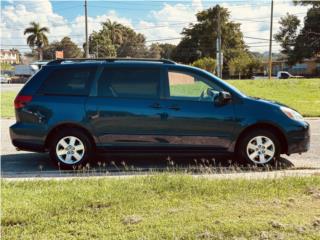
<point x="174" y="107"/>
<point x="155" y="106"/>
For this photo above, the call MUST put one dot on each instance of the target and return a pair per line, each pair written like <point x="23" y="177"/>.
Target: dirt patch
<point x="99" y="205"/>
<point x="134" y="219"/>
<point x="314" y="192"/>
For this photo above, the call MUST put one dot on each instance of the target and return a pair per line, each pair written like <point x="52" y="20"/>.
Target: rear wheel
<point x="70" y="148"/>
<point x="259" y="147"/>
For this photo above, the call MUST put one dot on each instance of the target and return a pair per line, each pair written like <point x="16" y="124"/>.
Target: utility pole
<point x="86" y="28"/>
<point x="97" y="50"/>
<point x="270" y="41"/>
<point x="219" y="50"/>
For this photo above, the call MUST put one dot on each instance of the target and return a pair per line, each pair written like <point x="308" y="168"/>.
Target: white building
<point x="9" y="56"/>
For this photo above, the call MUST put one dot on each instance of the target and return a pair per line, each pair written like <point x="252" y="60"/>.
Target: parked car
<point x="286" y="75"/>
<point x="4" y="79"/>
<point x="73" y="109"/>
<point x="280" y="75"/>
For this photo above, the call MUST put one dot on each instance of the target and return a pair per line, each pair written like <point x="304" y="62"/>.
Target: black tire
<point x="242" y="153"/>
<point x="79" y="135"/>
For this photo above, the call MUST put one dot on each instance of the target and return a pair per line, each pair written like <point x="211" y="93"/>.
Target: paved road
<point x="23" y="164"/>
<point x="11" y="87"/>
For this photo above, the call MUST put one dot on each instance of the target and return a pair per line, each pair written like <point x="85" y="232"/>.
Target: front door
<point x="193" y="118"/>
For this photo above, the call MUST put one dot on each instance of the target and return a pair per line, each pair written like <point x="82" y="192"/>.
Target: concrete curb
<point x="242" y="175"/>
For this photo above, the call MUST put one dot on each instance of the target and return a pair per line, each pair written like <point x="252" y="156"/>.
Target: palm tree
<point x="114" y="30"/>
<point x="37" y="37"/>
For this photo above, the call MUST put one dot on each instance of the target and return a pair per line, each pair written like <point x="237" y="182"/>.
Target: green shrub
<point x="205" y="63"/>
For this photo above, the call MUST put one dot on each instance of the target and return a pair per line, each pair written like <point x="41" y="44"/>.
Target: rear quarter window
<point x="68" y="81"/>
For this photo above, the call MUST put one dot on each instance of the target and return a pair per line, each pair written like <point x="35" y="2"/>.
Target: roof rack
<point x="73" y="60"/>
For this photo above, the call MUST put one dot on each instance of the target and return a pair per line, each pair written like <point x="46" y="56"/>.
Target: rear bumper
<point x="299" y="139"/>
<point x="28" y="137"/>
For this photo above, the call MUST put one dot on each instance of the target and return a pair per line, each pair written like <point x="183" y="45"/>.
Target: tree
<point x="206" y="63"/>
<point x="287" y="34"/>
<point x="100" y="44"/>
<point x="133" y="44"/>
<point x="314" y="3"/>
<point x="255" y="65"/>
<point x="200" y="39"/>
<point x="308" y="41"/>
<point x="166" y="50"/>
<point x="239" y="64"/>
<point x="113" y="29"/>
<point x="37" y="37"/>
<point x="118" y="40"/>
<point x="305" y="43"/>
<point x="154" y="51"/>
<point x="69" y="48"/>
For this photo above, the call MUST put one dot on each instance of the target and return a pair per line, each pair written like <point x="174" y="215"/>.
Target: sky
<point x="159" y="20"/>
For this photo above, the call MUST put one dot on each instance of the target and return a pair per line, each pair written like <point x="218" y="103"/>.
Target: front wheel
<point x="259" y="147"/>
<point x="70" y="148"/>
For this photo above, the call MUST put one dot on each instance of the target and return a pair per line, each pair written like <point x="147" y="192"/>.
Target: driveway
<point x="25" y="164"/>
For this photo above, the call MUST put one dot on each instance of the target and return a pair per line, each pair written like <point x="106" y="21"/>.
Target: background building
<point x="11" y="56"/>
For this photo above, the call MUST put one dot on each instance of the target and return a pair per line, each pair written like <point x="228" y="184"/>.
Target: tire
<point x="70" y="148"/>
<point x="259" y="147"/>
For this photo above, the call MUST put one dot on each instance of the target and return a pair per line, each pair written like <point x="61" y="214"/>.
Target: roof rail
<point x="59" y="61"/>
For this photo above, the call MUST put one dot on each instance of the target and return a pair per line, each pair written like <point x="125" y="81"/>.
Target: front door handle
<point x="94" y="116"/>
<point x="174" y="107"/>
<point x="155" y="105"/>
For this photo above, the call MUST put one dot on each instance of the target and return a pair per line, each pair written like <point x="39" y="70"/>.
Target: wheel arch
<point x="67" y="125"/>
<point x="276" y="130"/>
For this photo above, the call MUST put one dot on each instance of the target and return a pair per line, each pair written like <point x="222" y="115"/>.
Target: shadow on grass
<point x="38" y="164"/>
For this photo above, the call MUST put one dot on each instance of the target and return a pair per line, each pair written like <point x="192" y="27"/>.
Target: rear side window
<point x="68" y="81"/>
<point x="129" y="83"/>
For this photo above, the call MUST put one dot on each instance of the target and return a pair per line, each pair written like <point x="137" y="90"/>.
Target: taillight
<point x="21" y="101"/>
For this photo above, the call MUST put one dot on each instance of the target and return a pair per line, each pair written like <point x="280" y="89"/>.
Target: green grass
<point x="161" y="207"/>
<point x="300" y="94"/>
<point x="7" y="109"/>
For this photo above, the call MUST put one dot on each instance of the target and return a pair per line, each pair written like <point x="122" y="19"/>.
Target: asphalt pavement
<point x="25" y="164"/>
<point x="14" y="87"/>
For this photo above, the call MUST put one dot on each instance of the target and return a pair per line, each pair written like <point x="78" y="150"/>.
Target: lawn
<point x="161" y="207"/>
<point x="7" y="109"/>
<point x="300" y="94"/>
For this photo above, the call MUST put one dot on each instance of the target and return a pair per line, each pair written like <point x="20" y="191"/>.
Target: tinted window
<point x="71" y="81"/>
<point x="190" y="86"/>
<point x="129" y="82"/>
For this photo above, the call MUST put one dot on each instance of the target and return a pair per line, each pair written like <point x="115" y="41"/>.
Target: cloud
<point x="16" y="16"/>
<point x="165" y="23"/>
<point x="255" y="20"/>
<point x="169" y="21"/>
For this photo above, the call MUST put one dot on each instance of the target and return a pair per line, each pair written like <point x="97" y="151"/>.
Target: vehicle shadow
<point x="39" y="165"/>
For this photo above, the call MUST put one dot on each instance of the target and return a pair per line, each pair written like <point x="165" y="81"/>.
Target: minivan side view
<point x="73" y="108"/>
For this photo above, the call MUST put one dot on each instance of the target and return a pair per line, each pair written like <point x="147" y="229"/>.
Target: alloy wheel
<point x="261" y="149"/>
<point x="70" y="150"/>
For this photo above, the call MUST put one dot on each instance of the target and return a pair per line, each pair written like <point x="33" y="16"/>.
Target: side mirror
<point x="222" y="98"/>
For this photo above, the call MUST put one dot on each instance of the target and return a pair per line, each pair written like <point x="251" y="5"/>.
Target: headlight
<point x="292" y="114"/>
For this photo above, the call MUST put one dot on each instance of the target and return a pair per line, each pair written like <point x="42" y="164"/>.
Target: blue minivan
<point x="73" y="108"/>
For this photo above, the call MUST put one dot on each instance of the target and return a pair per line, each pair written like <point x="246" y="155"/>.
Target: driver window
<point x="189" y="86"/>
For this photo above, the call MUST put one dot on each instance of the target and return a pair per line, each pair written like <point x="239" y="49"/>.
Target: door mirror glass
<point x="222" y="98"/>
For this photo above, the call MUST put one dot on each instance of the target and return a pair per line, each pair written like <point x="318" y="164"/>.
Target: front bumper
<point x="299" y="139"/>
